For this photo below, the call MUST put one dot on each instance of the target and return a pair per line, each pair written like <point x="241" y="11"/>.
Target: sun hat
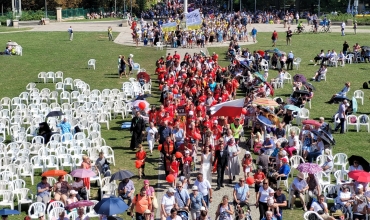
<point x="247" y="152"/>
<point x="171" y="190"/>
<point x="73" y="192"/>
<point x="146" y="181"/>
<point x="194" y="188"/>
<point x="268" y="136"/>
<point x="202" y="208"/>
<point x="41" y="214"/>
<point x="300" y="175"/>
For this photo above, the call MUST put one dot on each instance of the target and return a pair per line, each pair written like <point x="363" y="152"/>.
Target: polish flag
<point x="231" y="108"/>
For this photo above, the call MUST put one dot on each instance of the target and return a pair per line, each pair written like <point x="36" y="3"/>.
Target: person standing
<point x="342" y="116"/>
<point x="204" y="188"/>
<point x="342" y="28"/>
<point x="289" y="35"/>
<point x="126" y="190"/>
<point x="355" y="27"/>
<point x="140" y="204"/>
<point x="274" y="38"/>
<point x="221" y="159"/>
<point x="289" y="61"/>
<point x="182" y="197"/>
<point x="70" y="31"/>
<point x="280" y="202"/>
<point x="262" y="195"/>
<point x="254" y="34"/>
<point x="151" y="132"/>
<point x="130" y="62"/>
<point x="296" y="18"/>
<point x="241" y="194"/>
<point x="110" y="36"/>
<point x="137" y="129"/>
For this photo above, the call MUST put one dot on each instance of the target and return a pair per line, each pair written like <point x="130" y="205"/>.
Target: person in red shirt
<point x="167" y="118"/>
<point x="176" y="56"/>
<point x="152" y="115"/>
<point x="174" y="168"/>
<point x="141" y="156"/>
<point x="216" y="130"/>
<point x="247" y="164"/>
<point x="274" y="38"/>
<point x="215" y="56"/>
<point x="160" y="114"/>
<point x="259" y="176"/>
<point x="161" y="71"/>
<point x="186" y="161"/>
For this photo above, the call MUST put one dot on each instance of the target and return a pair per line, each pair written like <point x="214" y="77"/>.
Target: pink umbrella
<point x="83" y="173"/>
<point x="311" y="122"/>
<point x="310" y="168"/>
<point x="81" y="203"/>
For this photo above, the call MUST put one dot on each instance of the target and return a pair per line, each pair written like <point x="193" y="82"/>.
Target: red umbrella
<point x="311" y="122"/>
<point x="261" y="52"/>
<point x="145" y="76"/>
<point x="360" y="176"/>
<point x="54" y="173"/>
<point x="79" y="204"/>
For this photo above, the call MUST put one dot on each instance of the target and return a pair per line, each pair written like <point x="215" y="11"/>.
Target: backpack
<point x="365" y="85"/>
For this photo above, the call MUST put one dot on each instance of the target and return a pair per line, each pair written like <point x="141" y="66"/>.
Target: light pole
<point x="255" y="10"/>
<point x="318" y="11"/>
<point x="46" y="10"/>
<point x="115" y="7"/>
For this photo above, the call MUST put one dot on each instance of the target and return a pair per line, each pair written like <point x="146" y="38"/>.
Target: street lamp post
<point x="255" y="10"/>
<point x="46" y="10"/>
<point x="355" y="6"/>
<point x="318" y="11"/>
<point x="115" y="7"/>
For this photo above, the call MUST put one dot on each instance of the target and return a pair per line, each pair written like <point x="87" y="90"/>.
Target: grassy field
<point x="52" y="51"/>
<point x="10" y="29"/>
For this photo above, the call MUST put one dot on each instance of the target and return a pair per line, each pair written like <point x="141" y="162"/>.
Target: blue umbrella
<point x="292" y="108"/>
<point x="9" y="212"/>
<point x="264" y="120"/>
<point x="110" y="206"/>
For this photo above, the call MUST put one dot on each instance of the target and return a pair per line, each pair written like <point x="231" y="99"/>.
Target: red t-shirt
<point x="141" y="155"/>
<point x="175" y="166"/>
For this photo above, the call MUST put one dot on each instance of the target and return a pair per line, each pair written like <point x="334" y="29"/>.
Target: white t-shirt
<point x="316" y="206"/>
<point x="176" y="218"/>
<point x="344" y="195"/>
<point x="151" y="133"/>
<point x="299" y="184"/>
<point x="168" y="202"/>
<point x="352" y="168"/>
<point x="294" y="142"/>
<point x="84" y="217"/>
<point x="203" y="186"/>
<point x="264" y="194"/>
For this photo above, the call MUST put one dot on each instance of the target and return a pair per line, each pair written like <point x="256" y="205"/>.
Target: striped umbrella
<point x="265" y="102"/>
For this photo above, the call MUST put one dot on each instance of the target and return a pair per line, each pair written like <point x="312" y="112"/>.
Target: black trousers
<point x="136" y="139"/>
<point x="220" y="175"/>
<point x="289" y="62"/>
<point x="341" y="125"/>
<point x="262" y="207"/>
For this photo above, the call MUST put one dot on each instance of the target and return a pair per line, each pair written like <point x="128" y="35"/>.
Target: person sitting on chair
<point x="342" y="93"/>
<point x="319" y="73"/>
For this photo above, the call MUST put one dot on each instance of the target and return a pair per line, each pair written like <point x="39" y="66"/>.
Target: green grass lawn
<point x="52" y="51"/>
<point x="10" y="29"/>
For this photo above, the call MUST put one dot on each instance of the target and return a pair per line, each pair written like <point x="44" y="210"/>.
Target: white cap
<point x="41" y="214"/>
<point x="247" y="152"/>
<point x="194" y="188"/>
<point x="187" y="152"/>
<point x="131" y="55"/>
<point x="202" y="208"/>
<point x="268" y="136"/>
<point x="73" y="192"/>
<point x="171" y="190"/>
<point x="360" y="186"/>
<point x="215" y="121"/>
<point x="191" y="113"/>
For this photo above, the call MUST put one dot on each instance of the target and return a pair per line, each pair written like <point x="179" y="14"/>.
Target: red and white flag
<point x="231" y="108"/>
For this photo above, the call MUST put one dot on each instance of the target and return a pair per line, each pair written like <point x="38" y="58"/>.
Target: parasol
<point x="145" y="76"/>
<point x="365" y="48"/>
<point x="261" y="52"/>
<point x="265" y="102"/>
<point x="54" y="173"/>
<point x="361" y="161"/>
<point x="264" y="120"/>
<point x="311" y="168"/>
<point x="311" y="122"/>
<point x="260" y="76"/>
<point x="309" y="85"/>
<point x="328" y="136"/>
<point x="299" y="78"/>
<point x="300" y="92"/>
<point x="322" y="136"/>
<point x="292" y="108"/>
<point x="362" y="176"/>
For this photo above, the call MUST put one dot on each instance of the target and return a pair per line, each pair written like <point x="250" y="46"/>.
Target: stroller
<point x="183" y="214"/>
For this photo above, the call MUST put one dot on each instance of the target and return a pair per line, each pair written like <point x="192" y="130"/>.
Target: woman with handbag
<point x="150" y="192"/>
<point x="79" y="186"/>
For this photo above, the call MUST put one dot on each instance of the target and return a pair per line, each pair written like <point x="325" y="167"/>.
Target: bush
<point x="340" y="17"/>
<point x="32" y="15"/>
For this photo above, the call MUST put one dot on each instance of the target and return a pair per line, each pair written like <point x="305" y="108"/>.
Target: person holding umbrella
<point x="316" y="150"/>
<point x="126" y="189"/>
<point x="355" y="166"/>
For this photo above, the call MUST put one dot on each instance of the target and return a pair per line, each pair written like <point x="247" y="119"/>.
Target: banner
<point x="181" y="110"/>
<point x="171" y="26"/>
<point x="193" y="20"/>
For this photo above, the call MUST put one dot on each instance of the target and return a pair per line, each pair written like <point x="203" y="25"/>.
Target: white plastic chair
<point x="7" y="198"/>
<point x="54" y="213"/>
<point x="104" y="118"/>
<point x="53" y="205"/>
<point x="308" y="213"/>
<point x="92" y="213"/>
<point x="68" y="82"/>
<point x="302" y="115"/>
<point x="352" y="120"/>
<point x="72" y="215"/>
<point x="42" y="76"/>
<point x="91" y="64"/>
<point x="35" y="209"/>
<point x="287" y="77"/>
<point x="323" y="178"/>
<point x="340" y="161"/>
<point x="26" y="170"/>
<point x="364" y="120"/>
<point x="23" y="197"/>
<point x="349" y="58"/>
<point x="295" y="160"/>
<point x="297" y="62"/>
<point x="159" y="46"/>
<point x="50" y="75"/>
<point x="285" y="182"/>
<point x="341" y="176"/>
<point x="330" y="189"/>
<point x="58" y="75"/>
<point x="108" y="154"/>
<point x="358" y="94"/>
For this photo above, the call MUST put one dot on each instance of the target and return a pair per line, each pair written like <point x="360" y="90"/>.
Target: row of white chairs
<point x="46" y="76"/>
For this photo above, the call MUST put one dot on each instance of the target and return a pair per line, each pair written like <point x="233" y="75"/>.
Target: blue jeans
<point x="174" y="44"/>
<point x="206" y="200"/>
<point x="281" y="215"/>
<point x="313" y="155"/>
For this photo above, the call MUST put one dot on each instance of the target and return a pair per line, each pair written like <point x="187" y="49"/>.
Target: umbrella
<point x="81" y="203"/>
<point x="265" y="102"/>
<point x="309" y="85"/>
<point x="110" y="206"/>
<point x="311" y="168"/>
<point x="365" y="47"/>
<point x="363" y="177"/>
<point x="121" y="175"/>
<point x="83" y="173"/>
<point x="264" y="120"/>
<point x="271" y="88"/>
<point x="311" y="122"/>
<point x="328" y="136"/>
<point x="260" y="76"/>
<point x="321" y="135"/>
<point x="261" y="52"/>
<point x="300" y="92"/>
<point x="292" y="108"/>
<point x="54" y="173"/>
<point x="136" y="103"/>
<point x="145" y="76"/>
<point x="354" y="174"/>
<point x="361" y="161"/>
<point x="55" y="114"/>
<point x="9" y="212"/>
<point x="299" y="78"/>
